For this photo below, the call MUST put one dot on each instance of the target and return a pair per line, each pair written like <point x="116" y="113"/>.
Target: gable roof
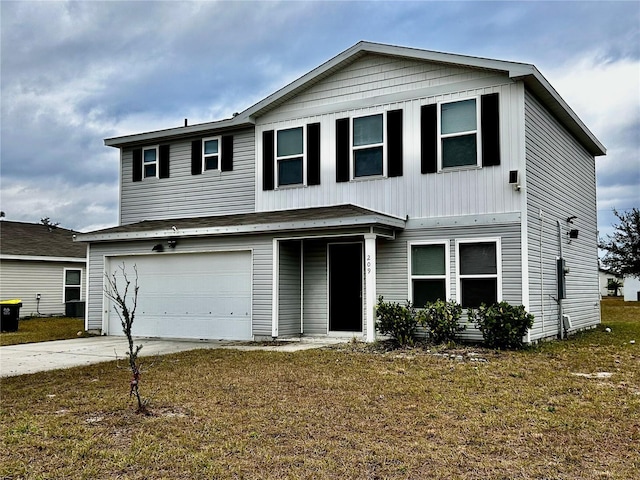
<point x="18" y="239"/>
<point x="528" y="73"/>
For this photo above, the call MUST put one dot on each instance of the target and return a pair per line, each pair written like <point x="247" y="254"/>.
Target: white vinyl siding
<point x="24" y="279"/>
<point x="393" y="259"/>
<point x="187" y="195"/>
<point x="289" y="289"/>
<point x="560" y="183"/>
<point x="452" y="192"/>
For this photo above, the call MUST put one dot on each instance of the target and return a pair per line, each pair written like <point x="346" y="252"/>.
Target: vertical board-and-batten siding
<point x="24" y="279"/>
<point x="371" y="81"/>
<point x="262" y="253"/>
<point x="289" y="289"/>
<point x="393" y="268"/>
<point x="186" y="195"/>
<point x="560" y="184"/>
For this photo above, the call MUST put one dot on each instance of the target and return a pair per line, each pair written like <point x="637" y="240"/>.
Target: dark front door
<point x="345" y="287"/>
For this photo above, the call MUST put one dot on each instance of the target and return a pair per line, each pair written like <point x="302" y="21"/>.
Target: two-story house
<point x="385" y="171"/>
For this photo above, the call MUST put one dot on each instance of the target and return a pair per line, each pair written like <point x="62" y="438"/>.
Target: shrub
<point x="502" y="325"/>
<point x="441" y="319"/>
<point x="397" y="321"/>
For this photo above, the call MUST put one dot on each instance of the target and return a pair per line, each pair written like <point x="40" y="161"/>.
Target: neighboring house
<point x="42" y="266"/>
<point x="605" y="277"/>
<point x="631" y="289"/>
<point x="387" y="171"/>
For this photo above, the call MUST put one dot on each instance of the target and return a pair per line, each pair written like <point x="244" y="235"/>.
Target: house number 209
<point x="368" y="264"/>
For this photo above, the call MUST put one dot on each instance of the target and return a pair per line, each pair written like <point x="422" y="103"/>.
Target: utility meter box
<point x="562" y="270"/>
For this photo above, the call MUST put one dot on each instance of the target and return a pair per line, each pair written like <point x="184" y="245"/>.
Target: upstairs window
<point x="72" y="282"/>
<point x="368" y="146"/>
<point x="459" y="134"/>
<point x="429" y="272"/>
<point x="290" y="156"/>
<point x="150" y="162"/>
<point x="211" y="153"/>
<point x="478" y="273"/>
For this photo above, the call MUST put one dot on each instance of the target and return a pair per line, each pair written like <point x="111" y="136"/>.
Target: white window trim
<point x="205" y="156"/>
<point x="497" y="275"/>
<point x="447" y="267"/>
<point x="156" y="163"/>
<point x="277" y="186"/>
<point x="64" y="282"/>
<point x="477" y="132"/>
<point x="352" y="148"/>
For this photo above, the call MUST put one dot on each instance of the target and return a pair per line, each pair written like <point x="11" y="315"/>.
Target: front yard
<point x="562" y="410"/>
<point x="43" y="329"/>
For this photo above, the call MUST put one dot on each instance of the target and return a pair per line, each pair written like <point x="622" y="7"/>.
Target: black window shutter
<point x="137" y="164"/>
<point x="394" y="143"/>
<point x="267" y="160"/>
<point x="164" y="161"/>
<point x="313" y="154"/>
<point x="226" y="163"/>
<point x="342" y="150"/>
<point x="490" y="122"/>
<point x="429" y="138"/>
<point x="196" y="157"/>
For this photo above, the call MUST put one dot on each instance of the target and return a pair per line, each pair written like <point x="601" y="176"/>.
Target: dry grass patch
<point x="338" y="414"/>
<point x="43" y="329"/>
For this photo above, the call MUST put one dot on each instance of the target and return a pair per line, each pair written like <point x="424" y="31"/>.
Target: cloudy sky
<point x="74" y="73"/>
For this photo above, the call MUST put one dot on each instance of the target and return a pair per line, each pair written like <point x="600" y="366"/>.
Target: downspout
<point x="541" y="270"/>
<point x="560" y="312"/>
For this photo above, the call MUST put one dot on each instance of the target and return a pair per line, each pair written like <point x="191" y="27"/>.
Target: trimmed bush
<point x="442" y="320"/>
<point x="397" y="321"/>
<point x="502" y="325"/>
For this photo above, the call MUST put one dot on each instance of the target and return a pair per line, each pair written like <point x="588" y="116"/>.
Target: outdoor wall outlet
<point x="38" y="296"/>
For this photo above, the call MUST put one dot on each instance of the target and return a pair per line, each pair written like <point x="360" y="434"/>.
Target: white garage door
<point x="191" y="295"/>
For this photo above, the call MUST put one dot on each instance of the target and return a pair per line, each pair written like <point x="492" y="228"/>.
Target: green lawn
<point x="542" y="413"/>
<point x="41" y="329"/>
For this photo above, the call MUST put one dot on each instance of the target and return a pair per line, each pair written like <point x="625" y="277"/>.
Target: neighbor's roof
<point x="528" y="73"/>
<point x="35" y="240"/>
<point x="338" y="216"/>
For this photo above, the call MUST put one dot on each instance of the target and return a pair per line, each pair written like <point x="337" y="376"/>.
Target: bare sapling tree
<point x="126" y="311"/>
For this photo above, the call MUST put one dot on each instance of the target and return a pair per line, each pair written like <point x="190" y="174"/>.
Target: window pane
<point x="149" y="170"/>
<point x="210" y="147"/>
<point x="290" y="171"/>
<point x="211" y="163"/>
<point x="458" y="116"/>
<point x="367" y="130"/>
<point x="71" y="293"/>
<point x="290" y="142"/>
<point x="427" y="260"/>
<point x="428" y="291"/>
<point x="72" y="277"/>
<point x="150" y="155"/>
<point x="478" y="290"/>
<point x="478" y="258"/>
<point x="459" y="151"/>
<point x="368" y="161"/>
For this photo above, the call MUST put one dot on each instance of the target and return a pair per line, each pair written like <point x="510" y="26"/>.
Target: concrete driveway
<point x="39" y="357"/>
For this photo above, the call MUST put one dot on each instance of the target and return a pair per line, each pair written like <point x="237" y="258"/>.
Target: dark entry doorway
<point x="345" y="287"/>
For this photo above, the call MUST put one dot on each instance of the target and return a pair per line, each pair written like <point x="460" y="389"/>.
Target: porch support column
<point x="370" y="285"/>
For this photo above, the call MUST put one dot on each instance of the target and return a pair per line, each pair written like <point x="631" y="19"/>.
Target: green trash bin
<point x="10" y="310"/>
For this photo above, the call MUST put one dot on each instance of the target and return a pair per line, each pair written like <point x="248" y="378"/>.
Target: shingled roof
<point x="38" y="240"/>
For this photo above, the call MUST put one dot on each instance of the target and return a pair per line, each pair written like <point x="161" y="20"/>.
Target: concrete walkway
<point x="39" y="357"/>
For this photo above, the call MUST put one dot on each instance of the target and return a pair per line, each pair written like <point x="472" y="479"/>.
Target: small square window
<point x="150" y="162"/>
<point x="290" y="155"/>
<point x="210" y="154"/>
<point x="368" y="152"/>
